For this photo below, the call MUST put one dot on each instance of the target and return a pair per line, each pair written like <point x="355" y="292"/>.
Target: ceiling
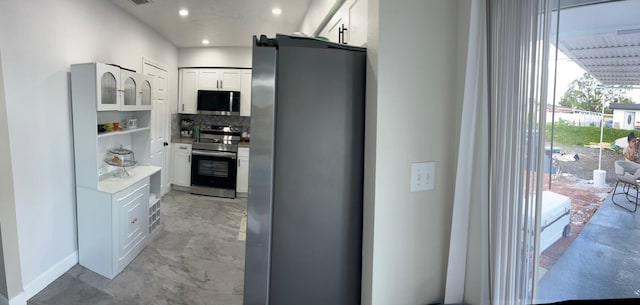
<point x="604" y="39"/>
<point x="225" y="23"/>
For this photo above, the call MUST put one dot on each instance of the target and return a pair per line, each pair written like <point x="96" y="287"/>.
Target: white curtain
<point x="503" y="118"/>
<point x="471" y="189"/>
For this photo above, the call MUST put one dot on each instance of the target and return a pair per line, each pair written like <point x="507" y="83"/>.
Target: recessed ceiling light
<point x="205" y="41"/>
<point x="183" y="12"/>
<point x="276" y="11"/>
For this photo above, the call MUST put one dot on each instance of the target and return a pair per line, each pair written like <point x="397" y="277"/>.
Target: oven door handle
<point x="213" y="154"/>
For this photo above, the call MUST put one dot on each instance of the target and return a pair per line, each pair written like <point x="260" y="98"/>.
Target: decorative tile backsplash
<point x="204" y="119"/>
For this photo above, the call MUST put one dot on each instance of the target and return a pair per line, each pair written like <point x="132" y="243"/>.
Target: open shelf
<point x="121" y="132"/>
<point x="154" y="202"/>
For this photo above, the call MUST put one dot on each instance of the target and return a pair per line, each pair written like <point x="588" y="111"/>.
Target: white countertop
<point x="112" y="184"/>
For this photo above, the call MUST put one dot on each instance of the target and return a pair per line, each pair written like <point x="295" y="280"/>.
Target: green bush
<point x="582" y="135"/>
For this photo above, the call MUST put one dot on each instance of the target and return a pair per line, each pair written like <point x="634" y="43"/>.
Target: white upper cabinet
<point x="188" y="91"/>
<point x="122" y="90"/>
<point x="219" y="79"/>
<point x="108" y="80"/>
<point x="357" y="32"/>
<point x="230" y="80"/>
<point x="145" y="92"/>
<point x="245" y="93"/>
<point x="191" y="80"/>
<point x="129" y="89"/>
<point x="209" y="79"/>
<point x="349" y="24"/>
<point x="136" y="91"/>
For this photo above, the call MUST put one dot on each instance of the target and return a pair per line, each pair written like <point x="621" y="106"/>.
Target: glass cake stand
<point x="122" y="158"/>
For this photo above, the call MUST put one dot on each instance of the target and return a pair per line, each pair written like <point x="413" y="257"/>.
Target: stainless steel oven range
<point x="214" y="161"/>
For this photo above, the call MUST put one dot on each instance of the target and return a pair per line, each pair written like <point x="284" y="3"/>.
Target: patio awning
<point x="604" y="39"/>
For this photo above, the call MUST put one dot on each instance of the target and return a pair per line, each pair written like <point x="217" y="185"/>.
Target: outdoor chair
<point x="627" y="176"/>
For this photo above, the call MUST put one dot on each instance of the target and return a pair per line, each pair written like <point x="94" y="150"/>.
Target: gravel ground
<point x="588" y="161"/>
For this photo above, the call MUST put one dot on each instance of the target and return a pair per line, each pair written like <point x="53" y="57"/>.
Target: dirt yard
<point x="588" y="161"/>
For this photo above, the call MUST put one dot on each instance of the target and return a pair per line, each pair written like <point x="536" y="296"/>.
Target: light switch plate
<point x="422" y="176"/>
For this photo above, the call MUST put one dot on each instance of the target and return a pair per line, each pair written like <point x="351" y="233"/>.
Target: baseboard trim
<point x="180" y="188"/>
<point x="20" y="299"/>
<point x="46" y="278"/>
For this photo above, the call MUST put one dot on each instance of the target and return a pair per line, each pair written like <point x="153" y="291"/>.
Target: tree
<point x="586" y="93"/>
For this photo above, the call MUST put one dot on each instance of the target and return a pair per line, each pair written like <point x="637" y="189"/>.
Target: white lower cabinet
<point x="242" y="183"/>
<point x="113" y="228"/>
<point x="182" y="164"/>
<point x="131" y="207"/>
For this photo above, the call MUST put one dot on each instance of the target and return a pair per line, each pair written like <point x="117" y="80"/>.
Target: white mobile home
<point x="626" y="116"/>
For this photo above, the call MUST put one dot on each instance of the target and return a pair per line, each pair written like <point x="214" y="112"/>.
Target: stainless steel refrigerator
<point x="304" y="228"/>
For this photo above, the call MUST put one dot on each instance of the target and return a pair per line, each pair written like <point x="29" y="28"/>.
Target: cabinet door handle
<point x="182" y="107"/>
<point x="134" y="221"/>
<point x="341" y="33"/>
<point x="239" y="162"/>
<point x="189" y="158"/>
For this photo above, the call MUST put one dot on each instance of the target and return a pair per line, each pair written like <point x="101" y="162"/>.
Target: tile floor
<point x="195" y="257"/>
<point x="585" y="201"/>
<point x="602" y="263"/>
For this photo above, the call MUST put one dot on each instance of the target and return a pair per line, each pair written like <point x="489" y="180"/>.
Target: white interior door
<point x="159" y="118"/>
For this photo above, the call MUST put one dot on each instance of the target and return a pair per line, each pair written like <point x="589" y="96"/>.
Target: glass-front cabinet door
<point x="129" y="86"/>
<point x="145" y="93"/>
<point x="108" y="80"/>
<point x="136" y="91"/>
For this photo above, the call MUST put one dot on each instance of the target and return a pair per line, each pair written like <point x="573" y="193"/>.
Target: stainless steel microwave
<point x="219" y="102"/>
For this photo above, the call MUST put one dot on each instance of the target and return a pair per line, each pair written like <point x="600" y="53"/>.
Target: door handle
<point x="229" y="155"/>
<point x="166" y="144"/>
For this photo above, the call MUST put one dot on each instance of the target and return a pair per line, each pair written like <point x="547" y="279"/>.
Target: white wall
<point x="3" y="276"/>
<point x="9" y="233"/>
<point x="416" y="116"/>
<point x="39" y="40"/>
<point x="4" y="185"/>
<point x="232" y="57"/>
